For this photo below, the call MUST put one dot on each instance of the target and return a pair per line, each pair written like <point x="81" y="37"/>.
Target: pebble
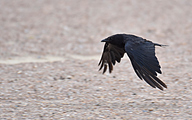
<point x="69" y="77"/>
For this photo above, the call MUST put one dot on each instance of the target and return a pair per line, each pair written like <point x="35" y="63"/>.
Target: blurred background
<point x="49" y="51"/>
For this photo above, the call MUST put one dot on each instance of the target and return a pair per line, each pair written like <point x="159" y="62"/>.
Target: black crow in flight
<point x="141" y="53"/>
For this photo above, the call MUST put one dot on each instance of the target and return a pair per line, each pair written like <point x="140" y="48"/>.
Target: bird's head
<point x="117" y="40"/>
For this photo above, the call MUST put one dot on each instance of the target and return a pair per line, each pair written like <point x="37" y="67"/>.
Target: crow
<point x="141" y="53"/>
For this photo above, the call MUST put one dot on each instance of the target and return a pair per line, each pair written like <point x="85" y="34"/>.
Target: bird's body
<point x="141" y="53"/>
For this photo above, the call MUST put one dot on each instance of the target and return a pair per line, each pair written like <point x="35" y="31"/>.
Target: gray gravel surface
<point x="49" y="51"/>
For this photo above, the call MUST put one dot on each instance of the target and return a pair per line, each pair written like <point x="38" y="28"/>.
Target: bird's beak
<point x="105" y="40"/>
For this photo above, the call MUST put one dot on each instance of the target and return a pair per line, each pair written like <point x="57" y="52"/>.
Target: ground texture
<point x="49" y="51"/>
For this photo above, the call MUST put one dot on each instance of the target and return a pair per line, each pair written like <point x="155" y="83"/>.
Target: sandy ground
<point x="49" y="51"/>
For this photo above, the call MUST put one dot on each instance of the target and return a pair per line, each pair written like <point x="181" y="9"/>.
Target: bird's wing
<point x="110" y="55"/>
<point x="144" y="61"/>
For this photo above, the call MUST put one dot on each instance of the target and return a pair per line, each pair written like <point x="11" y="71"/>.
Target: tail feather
<point x="156" y="44"/>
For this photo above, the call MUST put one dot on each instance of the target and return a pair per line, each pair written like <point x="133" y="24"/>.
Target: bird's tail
<point x="156" y="44"/>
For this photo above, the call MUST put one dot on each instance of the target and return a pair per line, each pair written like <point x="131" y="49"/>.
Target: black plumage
<point x="141" y="53"/>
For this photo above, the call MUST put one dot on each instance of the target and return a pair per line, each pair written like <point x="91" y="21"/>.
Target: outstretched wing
<point x="110" y="55"/>
<point x="144" y="61"/>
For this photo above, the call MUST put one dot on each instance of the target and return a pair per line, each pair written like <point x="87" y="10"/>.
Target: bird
<point x="141" y="53"/>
